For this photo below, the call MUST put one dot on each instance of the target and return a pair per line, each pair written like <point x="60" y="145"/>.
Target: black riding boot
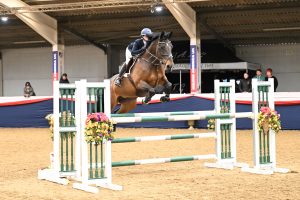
<point x="119" y="78"/>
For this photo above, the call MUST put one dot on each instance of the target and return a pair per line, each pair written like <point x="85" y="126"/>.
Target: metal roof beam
<point x="91" y="5"/>
<point x="83" y="37"/>
<point x="244" y="13"/>
<point x="217" y="35"/>
<point x="41" y="23"/>
<point x="251" y="7"/>
<point x="268" y="34"/>
<point x="241" y="28"/>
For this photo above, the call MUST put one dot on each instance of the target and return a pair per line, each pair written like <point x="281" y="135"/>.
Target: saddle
<point x="128" y="69"/>
<point x="129" y="66"/>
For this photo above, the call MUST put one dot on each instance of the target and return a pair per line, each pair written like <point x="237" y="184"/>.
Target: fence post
<point x="56" y="133"/>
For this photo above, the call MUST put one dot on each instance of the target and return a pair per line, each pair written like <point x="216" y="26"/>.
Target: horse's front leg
<point x="143" y="88"/>
<point x="167" y="89"/>
<point x="149" y="96"/>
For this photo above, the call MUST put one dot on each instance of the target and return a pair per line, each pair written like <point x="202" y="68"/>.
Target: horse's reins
<point x="162" y="61"/>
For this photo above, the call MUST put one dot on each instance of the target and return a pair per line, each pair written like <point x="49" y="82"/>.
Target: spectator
<point x="245" y="83"/>
<point x="269" y="74"/>
<point x="64" y="78"/>
<point x="28" y="90"/>
<point x="259" y="75"/>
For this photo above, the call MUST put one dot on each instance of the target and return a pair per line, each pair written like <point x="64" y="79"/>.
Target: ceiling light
<point x="4" y="19"/>
<point x="158" y="8"/>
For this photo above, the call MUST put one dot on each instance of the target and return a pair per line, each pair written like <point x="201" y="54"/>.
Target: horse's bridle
<point x="163" y="60"/>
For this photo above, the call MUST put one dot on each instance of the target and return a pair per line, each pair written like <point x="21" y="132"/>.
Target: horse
<point x="146" y="76"/>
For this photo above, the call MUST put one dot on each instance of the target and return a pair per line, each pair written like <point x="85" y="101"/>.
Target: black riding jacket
<point x="138" y="46"/>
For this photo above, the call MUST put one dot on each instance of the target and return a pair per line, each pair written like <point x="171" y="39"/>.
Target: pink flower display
<point x="98" y="127"/>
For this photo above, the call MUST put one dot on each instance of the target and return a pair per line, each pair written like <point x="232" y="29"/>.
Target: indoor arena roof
<point x="234" y="22"/>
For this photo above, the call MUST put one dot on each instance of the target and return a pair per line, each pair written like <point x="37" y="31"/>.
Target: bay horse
<point x="146" y="77"/>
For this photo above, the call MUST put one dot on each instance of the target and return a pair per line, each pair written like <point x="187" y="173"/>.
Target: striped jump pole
<point x="161" y="113"/>
<point x="164" y="137"/>
<point x="224" y="114"/>
<point x="163" y="160"/>
<point x="198" y="116"/>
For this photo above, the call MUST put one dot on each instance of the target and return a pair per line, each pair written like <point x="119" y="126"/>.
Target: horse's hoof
<point x="164" y="99"/>
<point x="145" y="102"/>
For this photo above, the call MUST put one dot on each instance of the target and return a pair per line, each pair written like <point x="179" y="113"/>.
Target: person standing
<point x="269" y="74"/>
<point x="245" y="84"/>
<point x="64" y="78"/>
<point x="259" y="75"/>
<point x="28" y="90"/>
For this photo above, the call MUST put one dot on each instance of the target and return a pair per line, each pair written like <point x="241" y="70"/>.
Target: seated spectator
<point x="245" y="83"/>
<point x="64" y="78"/>
<point x="28" y="90"/>
<point x="259" y="75"/>
<point x="269" y="74"/>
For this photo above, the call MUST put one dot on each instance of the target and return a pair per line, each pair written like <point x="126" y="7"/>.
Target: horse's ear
<point x="162" y="35"/>
<point x="169" y="35"/>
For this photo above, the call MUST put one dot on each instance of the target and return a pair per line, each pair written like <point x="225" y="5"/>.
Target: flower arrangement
<point x="65" y="121"/>
<point x="98" y="127"/>
<point x="211" y="124"/>
<point x="268" y="119"/>
<point x="50" y="119"/>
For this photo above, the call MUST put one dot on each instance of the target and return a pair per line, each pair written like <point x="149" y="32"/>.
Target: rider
<point x="133" y="49"/>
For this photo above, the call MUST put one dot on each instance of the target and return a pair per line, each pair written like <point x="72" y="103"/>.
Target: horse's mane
<point x="155" y="37"/>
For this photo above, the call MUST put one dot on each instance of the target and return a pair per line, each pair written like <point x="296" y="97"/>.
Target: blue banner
<point x="55" y="65"/>
<point x="193" y="69"/>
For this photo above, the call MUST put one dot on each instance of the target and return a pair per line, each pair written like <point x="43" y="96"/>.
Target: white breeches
<point x="128" y="56"/>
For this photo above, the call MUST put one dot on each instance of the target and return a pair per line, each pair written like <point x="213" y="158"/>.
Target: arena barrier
<point x="91" y="164"/>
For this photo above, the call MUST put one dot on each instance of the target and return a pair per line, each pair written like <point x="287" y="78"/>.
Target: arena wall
<point x="34" y="65"/>
<point x="283" y="59"/>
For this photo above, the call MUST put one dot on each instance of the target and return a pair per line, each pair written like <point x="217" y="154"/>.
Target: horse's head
<point x="164" y="46"/>
<point x="161" y="48"/>
<point x="169" y="65"/>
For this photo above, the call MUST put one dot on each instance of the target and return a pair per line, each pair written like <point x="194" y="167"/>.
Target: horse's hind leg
<point x="113" y="102"/>
<point x="127" y="106"/>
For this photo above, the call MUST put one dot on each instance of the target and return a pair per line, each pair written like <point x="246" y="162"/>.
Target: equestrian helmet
<point x="146" y="31"/>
